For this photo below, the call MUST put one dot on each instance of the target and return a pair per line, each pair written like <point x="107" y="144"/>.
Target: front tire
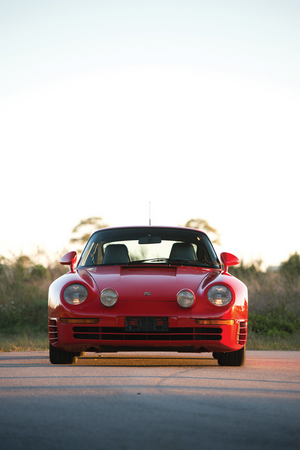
<point x="58" y="356"/>
<point x="236" y="358"/>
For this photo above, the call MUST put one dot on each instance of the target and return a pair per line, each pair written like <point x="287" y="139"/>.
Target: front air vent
<point x="242" y="333"/>
<point x="52" y="331"/>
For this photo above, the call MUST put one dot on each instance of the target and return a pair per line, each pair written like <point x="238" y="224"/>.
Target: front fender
<point x="237" y="308"/>
<point x="57" y="307"/>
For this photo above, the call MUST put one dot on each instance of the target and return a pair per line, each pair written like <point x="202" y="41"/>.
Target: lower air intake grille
<point x="173" y="334"/>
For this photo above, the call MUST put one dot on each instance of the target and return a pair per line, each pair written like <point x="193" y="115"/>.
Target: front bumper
<point x="111" y="334"/>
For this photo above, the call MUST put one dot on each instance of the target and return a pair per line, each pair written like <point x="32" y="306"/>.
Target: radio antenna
<point x="149" y="213"/>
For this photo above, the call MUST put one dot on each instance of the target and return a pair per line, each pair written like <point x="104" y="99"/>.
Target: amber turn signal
<point x="79" y="320"/>
<point x="214" y="321"/>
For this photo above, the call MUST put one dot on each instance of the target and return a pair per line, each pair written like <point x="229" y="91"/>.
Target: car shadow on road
<point x="10" y="360"/>
<point x="144" y="361"/>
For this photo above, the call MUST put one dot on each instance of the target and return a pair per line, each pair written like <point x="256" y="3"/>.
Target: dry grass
<point x="23" y="342"/>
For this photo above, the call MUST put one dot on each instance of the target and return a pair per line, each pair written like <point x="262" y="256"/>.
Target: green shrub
<point x="290" y="269"/>
<point x="24" y="293"/>
<point x="274" y="323"/>
<point x="274" y="298"/>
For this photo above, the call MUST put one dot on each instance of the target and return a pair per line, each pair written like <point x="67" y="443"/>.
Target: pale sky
<point x="193" y="105"/>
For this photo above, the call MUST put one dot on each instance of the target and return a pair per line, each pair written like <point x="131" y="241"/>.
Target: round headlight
<point x="108" y="297"/>
<point x="75" y="294"/>
<point x="185" y="298"/>
<point x="219" y="295"/>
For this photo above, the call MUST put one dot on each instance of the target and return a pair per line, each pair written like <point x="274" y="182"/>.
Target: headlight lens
<point x="219" y="295"/>
<point x="185" y="298"/>
<point x="108" y="297"/>
<point x="75" y="294"/>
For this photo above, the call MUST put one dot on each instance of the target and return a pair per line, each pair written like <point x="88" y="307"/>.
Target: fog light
<point x="109" y="297"/>
<point x="185" y="298"/>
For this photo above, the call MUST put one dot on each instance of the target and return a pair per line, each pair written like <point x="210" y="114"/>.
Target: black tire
<point x="216" y="355"/>
<point x="236" y="358"/>
<point x="61" y="357"/>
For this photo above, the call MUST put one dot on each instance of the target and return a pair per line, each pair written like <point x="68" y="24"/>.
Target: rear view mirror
<point x="150" y="240"/>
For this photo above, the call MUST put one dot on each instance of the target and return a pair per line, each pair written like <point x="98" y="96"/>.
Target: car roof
<point x="148" y="227"/>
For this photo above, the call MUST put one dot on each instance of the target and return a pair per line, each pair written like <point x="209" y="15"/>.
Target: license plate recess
<point x="146" y="324"/>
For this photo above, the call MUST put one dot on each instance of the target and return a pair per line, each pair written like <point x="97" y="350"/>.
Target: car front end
<point x="150" y="304"/>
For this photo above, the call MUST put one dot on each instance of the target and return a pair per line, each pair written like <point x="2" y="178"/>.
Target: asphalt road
<point x="144" y="401"/>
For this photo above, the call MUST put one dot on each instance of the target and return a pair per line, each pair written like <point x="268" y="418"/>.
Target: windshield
<point x="149" y="245"/>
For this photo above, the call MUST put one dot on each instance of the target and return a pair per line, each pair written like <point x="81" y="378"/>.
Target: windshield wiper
<point x="193" y="262"/>
<point x="155" y="260"/>
<point x="210" y="263"/>
<point x="180" y="260"/>
<point x="176" y="261"/>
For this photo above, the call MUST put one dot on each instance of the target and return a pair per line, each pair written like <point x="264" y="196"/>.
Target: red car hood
<point x="150" y="284"/>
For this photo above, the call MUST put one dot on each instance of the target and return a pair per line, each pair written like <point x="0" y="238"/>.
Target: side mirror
<point x="228" y="260"/>
<point x="69" y="259"/>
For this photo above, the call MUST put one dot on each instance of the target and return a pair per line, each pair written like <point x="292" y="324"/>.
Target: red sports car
<point x="148" y="289"/>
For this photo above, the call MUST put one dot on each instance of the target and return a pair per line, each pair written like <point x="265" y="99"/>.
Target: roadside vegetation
<point x="274" y="304"/>
<point x="23" y="303"/>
